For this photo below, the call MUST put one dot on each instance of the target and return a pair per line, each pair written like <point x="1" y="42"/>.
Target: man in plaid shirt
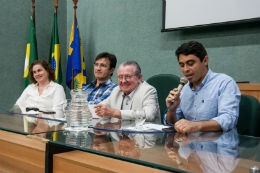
<point x="99" y="89"/>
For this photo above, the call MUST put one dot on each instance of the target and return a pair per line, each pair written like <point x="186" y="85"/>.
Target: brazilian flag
<point x="54" y="57"/>
<point x="31" y="53"/>
<point x="76" y="59"/>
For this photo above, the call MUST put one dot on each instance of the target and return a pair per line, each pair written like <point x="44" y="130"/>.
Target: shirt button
<point x="195" y="105"/>
<point x="126" y="103"/>
<point x="195" y="118"/>
<point x="196" y="93"/>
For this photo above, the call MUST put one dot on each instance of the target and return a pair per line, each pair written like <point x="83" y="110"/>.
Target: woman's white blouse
<point x="52" y="98"/>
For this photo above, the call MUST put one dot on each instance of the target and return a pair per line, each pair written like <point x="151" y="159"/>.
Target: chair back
<point x="249" y="116"/>
<point x="163" y="83"/>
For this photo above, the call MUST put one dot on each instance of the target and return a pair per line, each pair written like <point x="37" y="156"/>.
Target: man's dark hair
<point x="111" y="57"/>
<point x="192" y="48"/>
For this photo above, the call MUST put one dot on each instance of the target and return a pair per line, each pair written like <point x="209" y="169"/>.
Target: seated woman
<point x="44" y="93"/>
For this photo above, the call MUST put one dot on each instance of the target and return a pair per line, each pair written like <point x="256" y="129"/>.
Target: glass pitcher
<point x="77" y="111"/>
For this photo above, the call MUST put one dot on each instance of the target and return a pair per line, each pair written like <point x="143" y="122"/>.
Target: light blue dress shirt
<point x="216" y="98"/>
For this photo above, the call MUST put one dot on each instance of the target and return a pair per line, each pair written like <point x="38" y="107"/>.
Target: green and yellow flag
<point x="54" y="57"/>
<point x="31" y="53"/>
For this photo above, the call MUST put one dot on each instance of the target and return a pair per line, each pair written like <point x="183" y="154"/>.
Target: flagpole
<point x="56" y="7"/>
<point x="33" y="7"/>
<point x="75" y="7"/>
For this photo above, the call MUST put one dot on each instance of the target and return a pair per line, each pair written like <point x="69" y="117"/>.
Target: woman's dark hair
<point x="46" y="66"/>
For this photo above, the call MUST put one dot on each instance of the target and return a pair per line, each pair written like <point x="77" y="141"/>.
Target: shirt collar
<point x="93" y="82"/>
<point x="205" y="80"/>
<point x="50" y="84"/>
<point x="131" y="95"/>
<point x="207" y="77"/>
<point x="107" y="82"/>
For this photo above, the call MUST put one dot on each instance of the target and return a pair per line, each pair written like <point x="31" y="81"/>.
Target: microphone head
<point x="184" y="80"/>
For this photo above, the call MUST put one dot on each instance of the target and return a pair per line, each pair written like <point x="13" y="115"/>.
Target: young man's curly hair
<point x="46" y="66"/>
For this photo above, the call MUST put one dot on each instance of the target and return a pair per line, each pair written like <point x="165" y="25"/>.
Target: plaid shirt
<point x="100" y="93"/>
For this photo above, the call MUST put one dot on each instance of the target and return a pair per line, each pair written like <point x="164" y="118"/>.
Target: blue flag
<point x="78" y="65"/>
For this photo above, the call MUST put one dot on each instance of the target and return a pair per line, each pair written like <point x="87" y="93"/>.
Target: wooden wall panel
<point x="250" y="89"/>
<point x="21" y="154"/>
<point x="78" y="161"/>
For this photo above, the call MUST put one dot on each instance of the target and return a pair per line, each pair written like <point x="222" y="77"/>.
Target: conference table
<point x="34" y="144"/>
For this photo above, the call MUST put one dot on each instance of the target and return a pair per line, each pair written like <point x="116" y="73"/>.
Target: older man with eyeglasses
<point x="131" y="94"/>
<point x="99" y="89"/>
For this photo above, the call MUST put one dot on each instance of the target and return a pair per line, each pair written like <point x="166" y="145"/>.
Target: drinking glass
<point x="65" y="107"/>
<point x="139" y="116"/>
<point x="139" y="140"/>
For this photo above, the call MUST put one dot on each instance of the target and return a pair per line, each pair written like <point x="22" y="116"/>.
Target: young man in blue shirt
<point x="209" y="101"/>
<point x="99" y="89"/>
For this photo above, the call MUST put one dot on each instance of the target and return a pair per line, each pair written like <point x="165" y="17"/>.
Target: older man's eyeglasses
<point x="99" y="65"/>
<point x="127" y="77"/>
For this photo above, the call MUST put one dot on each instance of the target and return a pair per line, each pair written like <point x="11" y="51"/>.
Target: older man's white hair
<point x="134" y="63"/>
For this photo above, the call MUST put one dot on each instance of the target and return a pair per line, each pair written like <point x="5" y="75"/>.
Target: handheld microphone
<point x="183" y="81"/>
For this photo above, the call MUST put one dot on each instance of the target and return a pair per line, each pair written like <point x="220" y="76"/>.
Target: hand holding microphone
<point x="173" y="95"/>
<point x="183" y="81"/>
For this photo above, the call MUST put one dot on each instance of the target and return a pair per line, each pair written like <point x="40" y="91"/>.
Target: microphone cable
<point x="172" y="125"/>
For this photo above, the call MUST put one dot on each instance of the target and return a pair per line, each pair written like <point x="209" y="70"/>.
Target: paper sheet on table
<point x="149" y="127"/>
<point x="92" y="110"/>
<point x="155" y="126"/>
<point x="32" y="112"/>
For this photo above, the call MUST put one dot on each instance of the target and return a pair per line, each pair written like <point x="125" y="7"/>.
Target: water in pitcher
<point x="78" y="114"/>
